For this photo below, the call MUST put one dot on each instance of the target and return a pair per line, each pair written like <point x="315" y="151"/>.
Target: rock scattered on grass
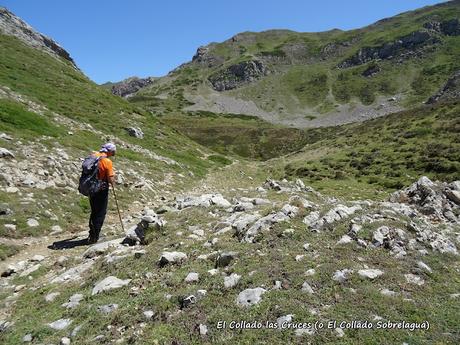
<point x="109" y="283"/>
<point x="250" y="297"/>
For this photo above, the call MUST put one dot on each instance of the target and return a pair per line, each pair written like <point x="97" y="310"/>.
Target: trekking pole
<point x="118" y="209"/>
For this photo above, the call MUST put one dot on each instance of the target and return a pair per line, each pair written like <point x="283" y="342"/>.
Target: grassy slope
<point x="58" y="88"/>
<point x="62" y="89"/>
<point x="384" y="153"/>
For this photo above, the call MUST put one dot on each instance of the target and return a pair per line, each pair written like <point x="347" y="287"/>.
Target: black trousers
<point x="98" y="202"/>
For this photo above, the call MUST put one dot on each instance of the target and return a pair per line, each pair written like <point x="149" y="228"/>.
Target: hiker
<point x="99" y="199"/>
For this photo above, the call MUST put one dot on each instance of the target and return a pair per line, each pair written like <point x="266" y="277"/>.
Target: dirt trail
<point x="31" y="246"/>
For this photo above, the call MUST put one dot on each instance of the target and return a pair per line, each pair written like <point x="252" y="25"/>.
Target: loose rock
<point x="109" y="283"/>
<point x="250" y="297"/>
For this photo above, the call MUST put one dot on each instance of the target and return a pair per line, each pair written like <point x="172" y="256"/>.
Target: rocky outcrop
<point x="403" y="47"/>
<point x="150" y="222"/>
<point x="449" y="92"/>
<point x="448" y="27"/>
<point x="135" y="132"/>
<point x="130" y="86"/>
<point x="204" y="58"/>
<point x="406" y="46"/>
<point x="12" y="25"/>
<point x="237" y="75"/>
<point x="434" y="199"/>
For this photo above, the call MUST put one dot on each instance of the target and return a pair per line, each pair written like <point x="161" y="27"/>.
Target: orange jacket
<point x="105" y="167"/>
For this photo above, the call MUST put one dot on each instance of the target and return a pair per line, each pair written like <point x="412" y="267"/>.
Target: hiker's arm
<point x="111" y="180"/>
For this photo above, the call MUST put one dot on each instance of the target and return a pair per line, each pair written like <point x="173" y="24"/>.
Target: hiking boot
<point x="91" y="240"/>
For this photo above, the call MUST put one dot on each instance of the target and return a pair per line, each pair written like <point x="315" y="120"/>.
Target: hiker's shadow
<point x="68" y="244"/>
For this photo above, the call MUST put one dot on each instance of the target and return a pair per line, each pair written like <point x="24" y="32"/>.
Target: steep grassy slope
<point x="66" y="91"/>
<point x="50" y="109"/>
<point x="308" y="75"/>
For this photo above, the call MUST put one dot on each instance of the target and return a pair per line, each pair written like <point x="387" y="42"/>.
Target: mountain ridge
<point x="292" y="78"/>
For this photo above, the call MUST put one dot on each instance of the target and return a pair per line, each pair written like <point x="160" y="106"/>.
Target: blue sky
<point x="112" y="40"/>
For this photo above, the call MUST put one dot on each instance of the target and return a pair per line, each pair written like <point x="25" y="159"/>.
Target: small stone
<point x="148" y="314"/>
<point x="60" y="324"/>
<point x="4" y="153"/>
<point x="344" y="240"/>
<point x="250" y="297"/>
<point x="424" y="266"/>
<point x="109" y="283"/>
<point x="203" y="329"/>
<point x="74" y="301"/>
<point x="10" y="227"/>
<point x="139" y="253"/>
<point x="224" y="259"/>
<point x="31" y="222"/>
<point x="172" y="257"/>
<point x="187" y="301"/>
<point x="51" y="296"/>
<point x="289" y="231"/>
<point x="307" y="288"/>
<point x="192" y="277"/>
<point x="213" y="271"/>
<point x="299" y="257"/>
<point x="283" y="320"/>
<point x="61" y="260"/>
<point x="19" y="288"/>
<point x="75" y="331"/>
<point x="55" y="229"/>
<point x="342" y="275"/>
<point x="108" y="308"/>
<point x="387" y="292"/>
<point x="413" y="279"/>
<point x="310" y="272"/>
<point x="65" y="341"/>
<point x="231" y="281"/>
<point x="201" y="293"/>
<point x="370" y="273"/>
<point x="339" y="333"/>
<point x="37" y="258"/>
<point x="30" y="270"/>
<point x="27" y="338"/>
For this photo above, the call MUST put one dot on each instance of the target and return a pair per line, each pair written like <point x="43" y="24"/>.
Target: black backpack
<point x="89" y="183"/>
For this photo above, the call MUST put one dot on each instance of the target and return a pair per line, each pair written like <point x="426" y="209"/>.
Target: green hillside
<point x="309" y="75"/>
<point x="47" y="105"/>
